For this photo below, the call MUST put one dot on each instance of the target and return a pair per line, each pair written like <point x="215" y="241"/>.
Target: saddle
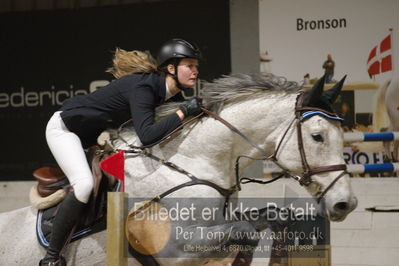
<point x="52" y="188"/>
<point x="50" y="179"/>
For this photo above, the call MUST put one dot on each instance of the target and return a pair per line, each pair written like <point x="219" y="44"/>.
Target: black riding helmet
<point x="172" y="52"/>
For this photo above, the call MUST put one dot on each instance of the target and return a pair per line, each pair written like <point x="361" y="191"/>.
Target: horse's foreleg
<point x="243" y="258"/>
<point x="260" y="222"/>
<point x="262" y="219"/>
<point x="243" y="238"/>
<point x="211" y="242"/>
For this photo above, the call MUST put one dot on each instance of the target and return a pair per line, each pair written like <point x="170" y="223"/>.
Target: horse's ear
<point x="332" y="94"/>
<point x="315" y="93"/>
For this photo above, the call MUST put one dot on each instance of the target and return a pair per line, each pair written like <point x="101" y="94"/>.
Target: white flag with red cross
<point x="380" y="57"/>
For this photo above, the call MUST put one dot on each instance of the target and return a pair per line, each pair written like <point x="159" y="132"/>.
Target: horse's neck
<point x="260" y="119"/>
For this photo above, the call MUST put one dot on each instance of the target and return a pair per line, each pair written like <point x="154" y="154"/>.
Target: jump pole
<point x="116" y="244"/>
<point x="353" y="168"/>
<point x="367" y="168"/>
<point x="361" y="136"/>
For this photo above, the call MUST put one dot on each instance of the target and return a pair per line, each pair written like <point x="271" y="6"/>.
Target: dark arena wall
<point x="51" y="55"/>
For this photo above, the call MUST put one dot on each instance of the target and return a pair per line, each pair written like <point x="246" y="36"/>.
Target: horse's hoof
<point x="53" y="262"/>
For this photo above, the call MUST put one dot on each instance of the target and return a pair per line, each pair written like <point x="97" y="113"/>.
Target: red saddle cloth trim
<point x="115" y="166"/>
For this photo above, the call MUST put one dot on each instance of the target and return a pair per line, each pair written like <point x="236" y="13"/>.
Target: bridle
<point x="305" y="179"/>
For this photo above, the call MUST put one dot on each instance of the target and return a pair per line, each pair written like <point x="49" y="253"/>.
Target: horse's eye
<point x="317" y="137"/>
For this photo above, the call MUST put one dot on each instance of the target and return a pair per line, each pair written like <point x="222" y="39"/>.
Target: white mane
<point x="222" y="92"/>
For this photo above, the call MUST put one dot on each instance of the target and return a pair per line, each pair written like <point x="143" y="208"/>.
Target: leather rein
<point x="304" y="180"/>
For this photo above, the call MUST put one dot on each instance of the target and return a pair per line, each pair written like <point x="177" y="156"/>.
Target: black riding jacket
<point x="130" y="97"/>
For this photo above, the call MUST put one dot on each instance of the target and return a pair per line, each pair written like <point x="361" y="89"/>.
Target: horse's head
<point x="313" y="150"/>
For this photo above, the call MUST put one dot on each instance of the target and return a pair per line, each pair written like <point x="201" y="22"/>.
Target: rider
<point x="140" y="87"/>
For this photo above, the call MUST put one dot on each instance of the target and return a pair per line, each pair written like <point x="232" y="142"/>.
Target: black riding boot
<point x="67" y="216"/>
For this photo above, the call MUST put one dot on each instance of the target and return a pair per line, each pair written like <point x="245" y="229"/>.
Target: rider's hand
<point x="191" y="107"/>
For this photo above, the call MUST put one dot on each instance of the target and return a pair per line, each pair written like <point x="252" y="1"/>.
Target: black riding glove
<point x="191" y="107"/>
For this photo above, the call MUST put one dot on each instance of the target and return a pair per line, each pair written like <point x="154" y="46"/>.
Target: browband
<point x="309" y="114"/>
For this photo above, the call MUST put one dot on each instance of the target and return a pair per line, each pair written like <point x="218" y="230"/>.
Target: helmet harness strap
<point x="176" y="78"/>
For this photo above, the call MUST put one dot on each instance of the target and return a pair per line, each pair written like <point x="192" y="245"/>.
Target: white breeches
<point x="70" y="156"/>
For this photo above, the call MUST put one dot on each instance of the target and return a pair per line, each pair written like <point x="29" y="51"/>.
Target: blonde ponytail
<point x="126" y="63"/>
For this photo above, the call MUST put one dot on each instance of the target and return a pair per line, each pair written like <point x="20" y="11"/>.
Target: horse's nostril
<point x="341" y="206"/>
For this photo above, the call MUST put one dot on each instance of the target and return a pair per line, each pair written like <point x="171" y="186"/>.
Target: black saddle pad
<point x="93" y="221"/>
